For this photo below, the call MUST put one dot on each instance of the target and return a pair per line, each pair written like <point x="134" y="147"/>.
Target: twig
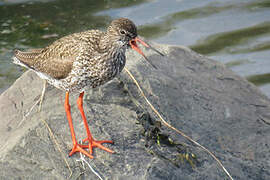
<point x="82" y="159"/>
<point x="42" y="95"/>
<point x="173" y="128"/>
<point x="28" y="113"/>
<point x="40" y="100"/>
<point x="50" y="130"/>
<point x="58" y="146"/>
<point x="134" y="100"/>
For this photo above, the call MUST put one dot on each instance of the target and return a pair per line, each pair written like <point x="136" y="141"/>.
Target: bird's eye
<point x="122" y="32"/>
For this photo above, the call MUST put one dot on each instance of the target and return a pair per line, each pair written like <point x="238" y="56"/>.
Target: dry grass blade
<point x="173" y="128"/>
<point x="28" y="113"/>
<point x="82" y="159"/>
<point x="50" y="130"/>
<point x="58" y="146"/>
<point x="42" y="95"/>
<point x="39" y="101"/>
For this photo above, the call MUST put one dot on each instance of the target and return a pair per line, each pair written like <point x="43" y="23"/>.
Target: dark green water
<point x="235" y="32"/>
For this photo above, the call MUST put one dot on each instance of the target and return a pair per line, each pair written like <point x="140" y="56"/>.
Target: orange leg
<point x="91" y="142"/>
<point x="76" y="147"/>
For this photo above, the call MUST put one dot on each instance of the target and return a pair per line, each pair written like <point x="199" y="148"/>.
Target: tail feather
<point x="20" y="63"/>
<point x="26" y="59"/>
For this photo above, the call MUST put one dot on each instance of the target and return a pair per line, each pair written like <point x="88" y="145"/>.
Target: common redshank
<point x="81" y="60"/>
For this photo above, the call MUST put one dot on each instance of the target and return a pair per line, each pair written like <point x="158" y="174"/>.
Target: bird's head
<point x="124" y="32"/>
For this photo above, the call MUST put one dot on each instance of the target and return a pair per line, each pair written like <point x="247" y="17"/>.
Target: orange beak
<point x="134" y="46"/>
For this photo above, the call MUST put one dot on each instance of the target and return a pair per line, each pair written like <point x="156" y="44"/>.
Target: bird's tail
<point x="26" y="59"/>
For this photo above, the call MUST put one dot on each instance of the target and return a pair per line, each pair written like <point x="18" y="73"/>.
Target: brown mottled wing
<point x="42" y="61"/>
<point x="57" y="59"/>
<point x="56" y="67"/>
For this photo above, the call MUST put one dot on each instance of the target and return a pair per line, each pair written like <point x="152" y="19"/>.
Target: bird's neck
<point x="108" y="42"/>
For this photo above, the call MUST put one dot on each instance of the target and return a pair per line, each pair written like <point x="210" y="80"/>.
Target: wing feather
<point x="56" y="60"/>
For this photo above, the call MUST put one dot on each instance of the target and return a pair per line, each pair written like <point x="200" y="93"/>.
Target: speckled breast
<point x="95" y="72"/>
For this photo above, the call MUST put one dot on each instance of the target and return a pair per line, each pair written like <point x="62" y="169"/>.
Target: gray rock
<point x="197" y="95"/>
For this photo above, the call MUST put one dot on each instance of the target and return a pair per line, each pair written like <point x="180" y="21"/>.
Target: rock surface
<point x="197" y="95"/>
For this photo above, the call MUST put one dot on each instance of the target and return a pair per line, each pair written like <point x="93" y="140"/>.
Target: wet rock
<point x="197" y="95"/>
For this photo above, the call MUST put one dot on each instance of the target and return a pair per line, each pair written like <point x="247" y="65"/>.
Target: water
<point x="236" y="33"/>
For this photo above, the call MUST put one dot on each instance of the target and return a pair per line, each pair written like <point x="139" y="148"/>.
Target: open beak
<point x="133" y="44"/>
